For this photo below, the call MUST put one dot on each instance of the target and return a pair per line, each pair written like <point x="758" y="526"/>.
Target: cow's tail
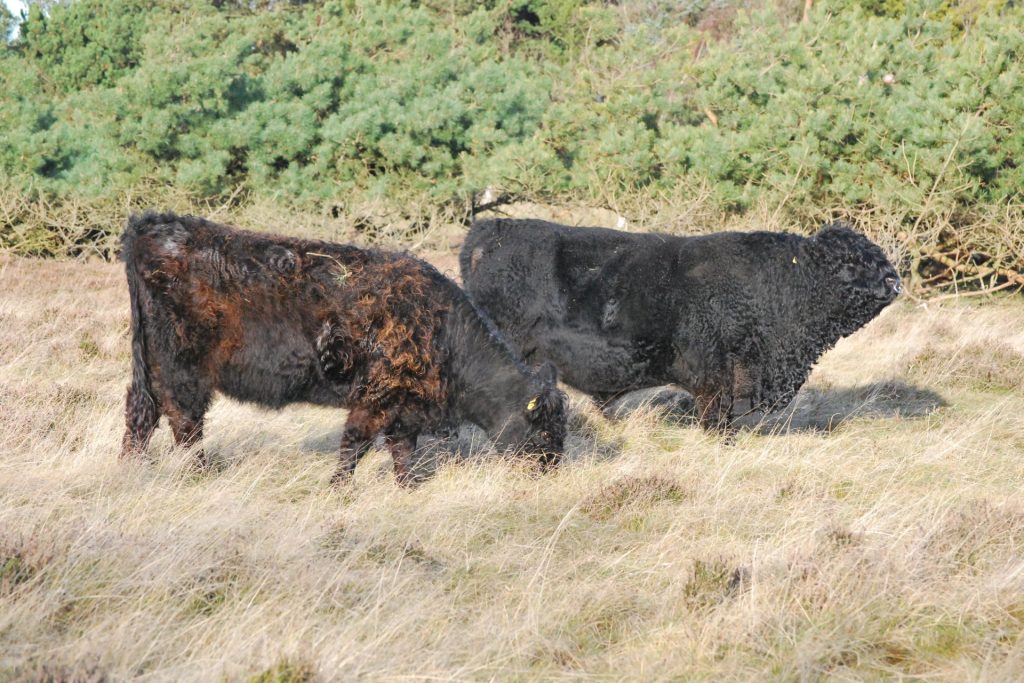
<point x="141" y="412"/>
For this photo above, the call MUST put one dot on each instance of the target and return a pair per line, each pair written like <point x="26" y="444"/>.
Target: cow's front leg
<point x="744" y="387"/>
<point x="188" y="432"/>
<point x="361" y="428"/>
<point x="185" y="410"/>
<point x="711" y="382"/>
<point x="402" y="445"/>
<point x="548" y="462"/>
<point x="714" y="409"/>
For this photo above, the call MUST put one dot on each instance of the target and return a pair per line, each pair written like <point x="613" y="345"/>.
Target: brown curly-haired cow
<point x="272" y="321"/>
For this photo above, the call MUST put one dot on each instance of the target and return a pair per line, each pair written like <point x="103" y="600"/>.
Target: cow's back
<point x="508" y="270"/>
<point x="520" y="271"/>
<point x="513" y="268"/>
<point x="555" y="292"/>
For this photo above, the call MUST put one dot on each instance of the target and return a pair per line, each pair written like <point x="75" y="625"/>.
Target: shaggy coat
<point x="737" y="319"/>
<point x="274" y="321"/>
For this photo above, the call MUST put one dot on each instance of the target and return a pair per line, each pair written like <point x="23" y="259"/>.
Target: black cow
<point x="273" y="321"/>
<point x="730" y="317"/>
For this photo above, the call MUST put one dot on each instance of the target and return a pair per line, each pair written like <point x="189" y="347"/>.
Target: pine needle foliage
<point x="905" y="112"/>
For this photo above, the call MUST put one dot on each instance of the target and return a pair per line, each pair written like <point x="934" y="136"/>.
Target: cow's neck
<point x="819" y="323"/>
<point x="488" y="383"/>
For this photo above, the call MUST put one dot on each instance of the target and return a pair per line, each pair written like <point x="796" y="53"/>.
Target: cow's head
<point x="855" y="268"/>
<point x="537" y="426"/>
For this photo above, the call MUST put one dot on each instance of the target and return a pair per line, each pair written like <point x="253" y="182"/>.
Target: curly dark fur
<point x="274" y="321"/>
<point x="735" y="318"/>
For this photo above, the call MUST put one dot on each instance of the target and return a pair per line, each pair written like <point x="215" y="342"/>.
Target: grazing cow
<point x="272" y="321"/>
<point x="731" y="317"/>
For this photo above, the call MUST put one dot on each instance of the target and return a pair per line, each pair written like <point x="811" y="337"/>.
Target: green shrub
<point x="7" y="23"/>
<point x="86" y="42"/>
<point x="863" y="108"/>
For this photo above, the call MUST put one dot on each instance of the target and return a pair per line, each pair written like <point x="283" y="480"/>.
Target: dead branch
<point x="972" y="270"/>
<point x="979" y="292"/>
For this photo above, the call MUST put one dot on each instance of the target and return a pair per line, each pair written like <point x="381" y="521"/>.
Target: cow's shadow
<point x="815" y="409"/>
<point x="820" y="409"/>
<point x="469" y="444"/>
<point x="825" y="409"/>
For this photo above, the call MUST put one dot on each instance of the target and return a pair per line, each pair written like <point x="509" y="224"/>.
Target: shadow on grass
<point x="824" y="410"/>
<point x="469" y="444"/>
<point x="813" y="409"/>
<point x="433" y="451"/>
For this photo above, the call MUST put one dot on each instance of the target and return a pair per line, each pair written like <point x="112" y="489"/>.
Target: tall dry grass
<point x="876" y="530"/>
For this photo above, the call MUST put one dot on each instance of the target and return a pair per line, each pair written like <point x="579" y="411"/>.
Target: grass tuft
<point x="53" y="673"/>
<point x="21" y="560"/>
<point x="633" y="491"/>
<point x="285" y="671"/>
<point x="712" y="581"/>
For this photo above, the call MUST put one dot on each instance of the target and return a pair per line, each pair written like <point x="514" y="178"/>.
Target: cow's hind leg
<point x="361" y="428"/>
<point x="141" y="415"/>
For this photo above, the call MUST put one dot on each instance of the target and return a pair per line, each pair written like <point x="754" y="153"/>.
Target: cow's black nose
<point x="894" y="284"/>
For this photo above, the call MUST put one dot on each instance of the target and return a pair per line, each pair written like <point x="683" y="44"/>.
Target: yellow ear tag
<point x="794" y="259"/>
<point x="532" y="404"/>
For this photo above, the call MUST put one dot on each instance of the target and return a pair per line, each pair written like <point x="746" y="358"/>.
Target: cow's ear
<point x="547" y="374"/>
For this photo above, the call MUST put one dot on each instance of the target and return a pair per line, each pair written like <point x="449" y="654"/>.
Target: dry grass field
<point x="876" y="531"/>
